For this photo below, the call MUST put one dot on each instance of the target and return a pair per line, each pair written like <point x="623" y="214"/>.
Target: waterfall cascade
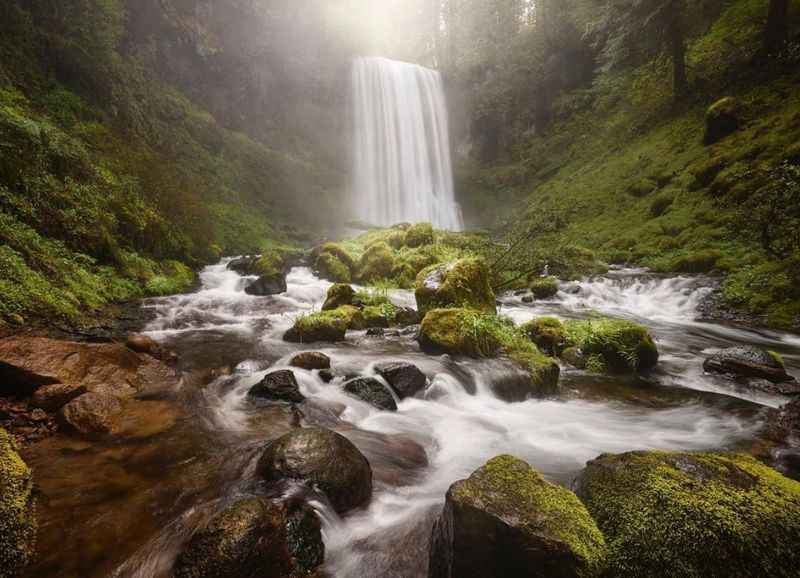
<point x="402" y="169"/>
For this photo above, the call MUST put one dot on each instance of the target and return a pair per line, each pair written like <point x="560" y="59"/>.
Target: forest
<point x="402" y="288"/>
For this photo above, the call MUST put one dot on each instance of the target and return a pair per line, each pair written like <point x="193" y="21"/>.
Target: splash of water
<point x="402" y="168"/>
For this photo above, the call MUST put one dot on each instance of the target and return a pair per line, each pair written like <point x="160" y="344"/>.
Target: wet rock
<point x="267" y="285"/>
<point x="326" y="375"/>
<point x="325" y="326"/>
<point x="278" y="386"/>
<point x="243" y="265"/>
<point x="547" y="333"/>
<point x="92" y="414"/>
<point x="405" y="316"/>
<point x="254" y="538"/>
<point x="376" y="332"/>
<point x="143" y="344"/>
<point x="27" y="363"/>
<point x="513" y="383"/>
<point x="323" y="459"/>
<point x="371" y="391"/>
<point x="54" y="396"/>
<point x="715" y="515"/>
<point x="17" y="510"/>
<point x="748" y="362"/>
<point x="339" y="294"/>
<point x="404" y="378"/>
<point x="544" y="287"/>
<point x="507" y="520"/>
<point x="311" y="360"/>
<point x="463" y="283"/>
<point x="528" y="299"/>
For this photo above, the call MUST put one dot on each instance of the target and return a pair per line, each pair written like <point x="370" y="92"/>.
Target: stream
<point x="125" y="507"/>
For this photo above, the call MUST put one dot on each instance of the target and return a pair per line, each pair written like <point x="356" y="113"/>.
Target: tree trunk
<point x="776" y="32"/>
<point x="680" y="82"/>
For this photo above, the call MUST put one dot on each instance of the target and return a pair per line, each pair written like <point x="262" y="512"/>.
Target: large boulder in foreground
<point x="277" y="386"/>
<point x="253" y="538"/>
<point x="507" y="520"/>
<point x="17" y="510"/>
<point x="605" y="344"/>
<point x="463" y="283"/>
<point x="692" y="514"/>
<point x="323" y="459"/>
<point x="405" y="379"/>
<point x="748" y="362"/>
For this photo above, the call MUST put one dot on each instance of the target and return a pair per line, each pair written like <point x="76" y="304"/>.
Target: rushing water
<point x="402" y="168"/>
<point x="126" y="507"/>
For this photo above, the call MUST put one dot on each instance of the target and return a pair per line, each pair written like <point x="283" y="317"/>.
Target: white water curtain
<point x="402" y="168"/>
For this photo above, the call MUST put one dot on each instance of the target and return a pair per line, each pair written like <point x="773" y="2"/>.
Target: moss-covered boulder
<point x="748" y="362"/>
<point x="722" y="119"/>
<point x="463" y="283"/>
<point x="612" y="345"/>
<point x="547" y="333"/>
<point x="328" y="326"/>
<point x="377" y="263"/>
<point x="255" y="537"/>
<point x="376" y="316"/>
<point x="329" y="267"/>
<point x="419" y="235"/>
<point x="544" y="287"/>
<point x="339" y="294"/>
<point x="507" y="520"/>
<point x="352" y="315"/>
<point x="17" y="510"/>
<point x="323" y="459"/>
<point x="685" y="514"/>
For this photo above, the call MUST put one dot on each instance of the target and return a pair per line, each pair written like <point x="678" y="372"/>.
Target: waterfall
<point x="402" y="169"/>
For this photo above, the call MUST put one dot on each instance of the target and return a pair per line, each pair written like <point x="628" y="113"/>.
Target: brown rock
<point x="311" y="360"/>
<point x="54" y="396"/>
<point x="92" y="413"/>
<point x="143" y="344"/>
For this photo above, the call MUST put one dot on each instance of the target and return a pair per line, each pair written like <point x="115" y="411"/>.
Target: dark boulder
<point x="322" y="459"/>
<point x="748" y="362"/>
<point x="404" y="378"/>
<point x="406" y="316"/>
<point x="372" y="391"/>
<point x="278" y="386"/>
<point x="92" y="413"/>
<point x="311" y="360"/>
<point x="254" y="538"/>
<point x="243" y="265"/>
<point x="722" y="119"/>
<point x="507" y="520"/>
<point x="267" y="285"/>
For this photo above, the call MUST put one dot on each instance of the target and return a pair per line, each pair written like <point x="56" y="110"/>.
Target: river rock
<point x="54" y="396"/>
<point x="255" y="538"/>
<point x="507" y="520"/>
<point x="406" y="316"/>
<point x="748" y="362"/>
<point x="667" y="514"/>
<point x="92" y="414"/>
<point x="339" y="294"/>
<point x="326" y="326"/>
<point x="323" y="459"/>
<point x="311" y="360"/>
<point x="17" y="510"/>
<point x="243" y="265"/>
<point x="463" y="283"/>
<point x="278" y="386"/>
<point x="27" y="363"/>
<point x="372" y="391"/>
<point x="143" y="344"/>
<point x="267" y="285"/>
<point x="404" y="378"/>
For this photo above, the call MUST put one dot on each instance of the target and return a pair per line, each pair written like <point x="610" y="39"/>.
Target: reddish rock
<point x="54" y="396"/>
<point x="143" y="344"/>
<point x="92" y="413"/>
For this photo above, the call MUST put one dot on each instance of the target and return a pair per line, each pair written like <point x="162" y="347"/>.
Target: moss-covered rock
<point x="376" y="316"/>
<point x="329" y="267"/>
<point x="419" y="235"/>
<point x="613" y="345"/>
<point x="722" y="119"/>
<point x="326" y="326"/>
<point x="17" y="510"/>
<point x="353" y="317"/>
<point x="507" y="520"/>
<point x="684" y="514"/>
<point x="544" y="287"/>
<point x="339" y="294"/>
<point x="338" y="251"/>
<point x="547" y="333"/>
<point x="463" y="283"/>
<point x="255" y="537"/>
<point x="377" y="263"/>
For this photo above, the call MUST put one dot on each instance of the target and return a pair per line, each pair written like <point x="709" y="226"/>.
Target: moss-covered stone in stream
<point x="325" y="326"/>
<point x="338" y="294"/>
<point x="695" y="515"/>
<point x="547" y="333"/>
<point x="17" y="510"/>
<point x="475" y="334"/>
<point x="544" y="287"/>
<point x="507" y="520"/>
<point x="329" y="267"/>
<point x="462" y="283"/>
<point x="615" y="345"/>
<point x="377" y="263"/>
<point x="419" y="235"/>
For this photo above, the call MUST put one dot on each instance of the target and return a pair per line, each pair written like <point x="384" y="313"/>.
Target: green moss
<point x="699" y="515"/>
<point x="377" y="263"/>
<point x="338" y="251"/>
<point x="419" y="235"/>
<point x="777" y="357"/>
<point x="339" y="294"/>
<point x="617" y="345"/>
<point x="328" y="266"/>
<point x="547" y="333"/>
<point x="17" y="510"/>
<point x="464" y="283"/>
<point x="325" y="326"/>
<point x="544" y="287"/>
<point x="175" y="278"/>
<point x="273" y="261"/>
<point x="701" y="262"/>
<point x="509" y="488"/>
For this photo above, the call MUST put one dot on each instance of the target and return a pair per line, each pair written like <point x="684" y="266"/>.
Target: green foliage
<point x="544" y="287"/>
<point x="547" y="333"/>
<point x="612" y="344"/>
<point x="418" y="235"/>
